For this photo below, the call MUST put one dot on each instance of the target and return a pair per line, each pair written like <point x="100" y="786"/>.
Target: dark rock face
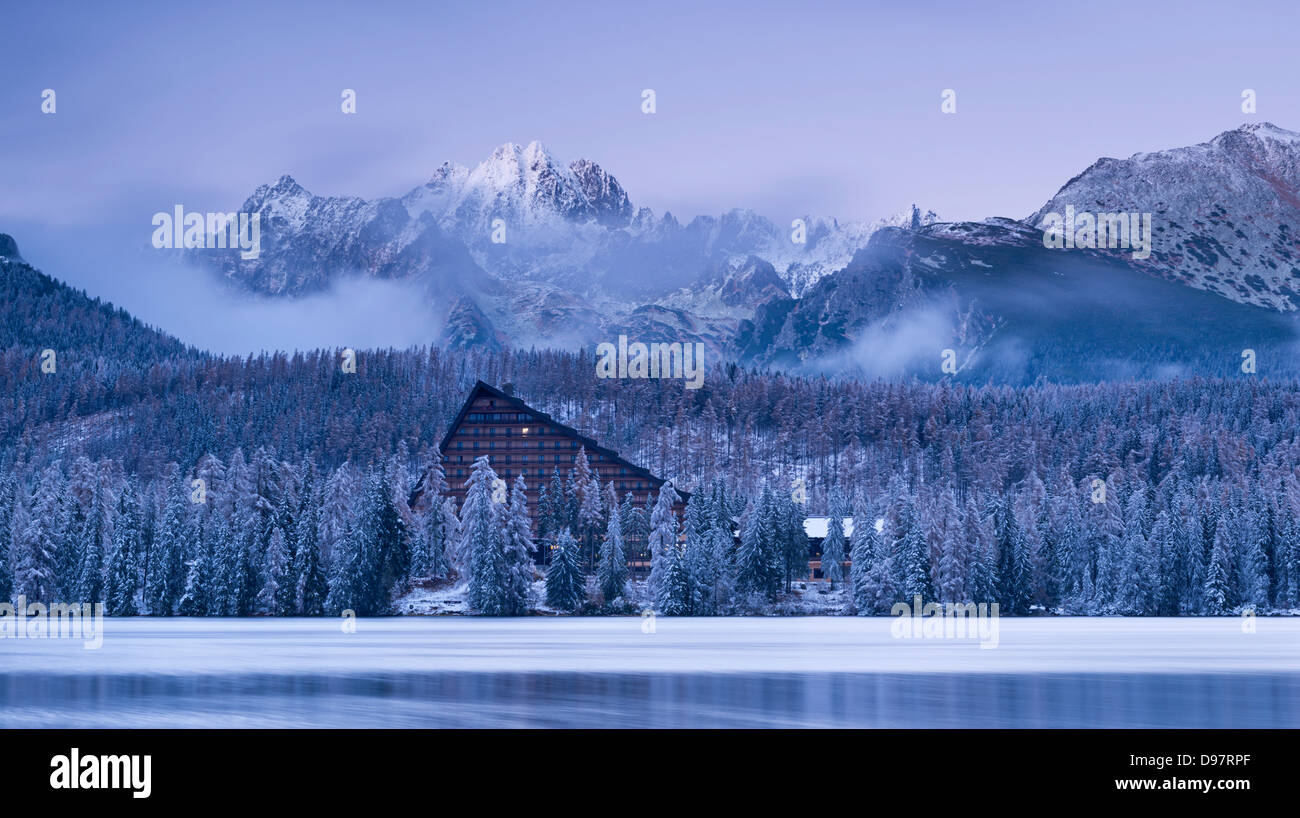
<point x="9" y="248"/>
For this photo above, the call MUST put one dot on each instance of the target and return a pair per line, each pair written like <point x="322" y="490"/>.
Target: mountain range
<point x="525" y="249"/>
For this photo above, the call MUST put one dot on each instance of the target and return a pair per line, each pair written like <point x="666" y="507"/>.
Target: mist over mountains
<point x="526" y="250"/>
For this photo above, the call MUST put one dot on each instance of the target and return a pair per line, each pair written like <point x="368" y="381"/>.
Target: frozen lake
<point x="609" y="672"/>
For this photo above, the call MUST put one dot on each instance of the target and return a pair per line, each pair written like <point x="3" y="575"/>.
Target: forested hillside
<point x="1144" y="497"/>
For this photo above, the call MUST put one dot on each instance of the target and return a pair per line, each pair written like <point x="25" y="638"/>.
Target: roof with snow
<point x="816" y="527"/>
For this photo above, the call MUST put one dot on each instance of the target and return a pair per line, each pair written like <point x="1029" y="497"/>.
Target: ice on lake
<point x="682" y="672"/>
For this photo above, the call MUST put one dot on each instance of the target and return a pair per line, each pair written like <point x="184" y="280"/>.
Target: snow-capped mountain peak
<point x="1225" y="213"/>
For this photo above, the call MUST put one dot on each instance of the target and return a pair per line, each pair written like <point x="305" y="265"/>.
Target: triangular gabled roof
<point x="481" y="388"/>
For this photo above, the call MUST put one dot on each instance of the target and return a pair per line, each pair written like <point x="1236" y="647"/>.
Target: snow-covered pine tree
<point x="122" y="583"/>
<point x="673" y="595"/>
<point x="355" y="584"/>
<point x="611" y="572"/>
<point x="914" y="560"/>
<point x="338" y="508"/>
<point x="565" y="584"/>
<point x="428" y="546"/>
<point x="198" y="597"/>
<point x="698" y="557"/>
<point x="873" y="592"/>
<point x="1255" y="569"/>
<point x="551" y="511"/>
<point x="834" y="546"/>
<point x="1013" y="591"/>
<point x="450" y="535"/>
<point x="36" y="543"/>
<point x="482" y="540"/>
<point x="590" y="507"/>
<point x="757" y="572"/>
<point x="310" y="583"/>
<point x="724" y="571"/>
<point x="166" y="581"/>
<point x="981" y="573"/>
<point x="6" y="528"/>
<point x="945" y="528"/>
<point x="1167" y="556"/>
<point x="276" y="595"/>
<point x="518" y="556"/>
<point x="387" y="519"/>
<point x="1218" y="574"/>
<point x="663" y="536"/>
<point x="791" y="539"/>
<point x="635" y="526"/>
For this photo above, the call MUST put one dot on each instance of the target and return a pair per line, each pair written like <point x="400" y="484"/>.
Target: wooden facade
<point x="519" y="440"/>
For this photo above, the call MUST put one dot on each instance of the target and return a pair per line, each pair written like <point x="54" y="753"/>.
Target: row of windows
<point x="543" y="473"/>
<point x="572" y="444"/>
<point x="508" y="432"/>
<point x="523" y="458"/>
<point x="508" y="475"/>
<point x="541" y="445"/>
<point x="497" y="417"/>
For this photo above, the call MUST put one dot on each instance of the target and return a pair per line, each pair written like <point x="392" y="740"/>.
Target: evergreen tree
<point x="861" y="550"/>
<point x="834" y="546"/>
<point x="482" y="538"/>
<point x="312" y="587"/>
<point x="198" y="599"/>
<point x="1013" y="559"/>
<point x="429" y="557"/>
<point x="355" y="585"/>
<point x="723" y="572"/>
<point x="589" y="507"/>
<point x="755" y="574"/>
<point x="386" y="520"/>
<point x="276" y="595"/>
<point x="123" y="580"/>
<point x="518" y="557"/>
<point x="612" y="570"/>
<point x="792" y="539"/>
<point x="307" y="579"/>
<point x="35" y="543"/>
<point x="982" y="582"/>
<point x="673" y="596"/>
<point x="7" y="499"/>
<point x="913" y="561"/>
<point x="167" y="573"/>
<point x="663" y="536"/>
<point x="1218" y="583"/>
<point x="565" y="584"/>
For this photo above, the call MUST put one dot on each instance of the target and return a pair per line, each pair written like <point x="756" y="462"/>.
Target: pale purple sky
<point x="829" y="108"/>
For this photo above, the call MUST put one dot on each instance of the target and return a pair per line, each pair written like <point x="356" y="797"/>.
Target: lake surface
<point x="610" y="672"/>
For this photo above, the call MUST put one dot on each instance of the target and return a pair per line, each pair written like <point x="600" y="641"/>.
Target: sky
<point x="823" y="108"/>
